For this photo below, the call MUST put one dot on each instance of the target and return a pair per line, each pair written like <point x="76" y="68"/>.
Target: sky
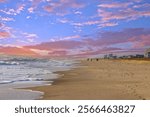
<point x="74" y="28"/>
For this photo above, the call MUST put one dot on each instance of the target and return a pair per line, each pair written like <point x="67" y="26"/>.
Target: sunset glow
<point x="73" y="28"/>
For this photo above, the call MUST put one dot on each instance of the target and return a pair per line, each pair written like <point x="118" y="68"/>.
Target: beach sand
<point x="102" y="80"/>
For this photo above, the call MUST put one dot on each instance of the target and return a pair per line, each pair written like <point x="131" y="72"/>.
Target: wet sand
<point x="102" y="80"/>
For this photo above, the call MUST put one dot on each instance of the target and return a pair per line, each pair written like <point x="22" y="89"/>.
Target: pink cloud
<point x="4" y="35"/>
<point x="128" y="14"/>
<point x="98" y="23"/>
<point x="104" y="42"/>
<point x="61" y="7"/>
<point x="1" y="25"/>
<point x="29" y="35"/>
<point x="124" y="36"/>
<point x="60" y="53"/>
<point x="31" y="10"/>
<point x="114" y="5"/>
<point x="141" y="41"/>
<point x="146" y="5"/>
<point x="110" y="14"/>
<point x="13" y="11"/>
<point x="49" y="8"/>
<point x="2" y="0"/>
<point x="17" y="51"/>
<point x="107" y="24"/>
<point x="122" y="11"/>
<point x="62" y="44"/>
<point x="71" y="37"/>
<point x="20" y="8"/>
<point x="36" y="2"/>
<point x="40" y="52"/>
<point x="137" y="1"/>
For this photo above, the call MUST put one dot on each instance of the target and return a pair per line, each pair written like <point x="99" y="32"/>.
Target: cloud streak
<point x="17" y="51"/>
<point x="1" y="1"/>
<point x="62" y="7"/>
<point x="122" y="11"/>
<point x="105" y="42"/>
<point x="4" y="35"/>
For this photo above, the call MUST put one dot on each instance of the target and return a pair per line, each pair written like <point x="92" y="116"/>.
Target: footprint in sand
<point x="132" y="90"/>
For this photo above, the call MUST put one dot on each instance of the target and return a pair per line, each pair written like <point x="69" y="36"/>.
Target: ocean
<point x="23" y="72"/>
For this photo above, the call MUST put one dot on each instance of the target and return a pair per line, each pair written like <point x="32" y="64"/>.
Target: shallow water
<point x="19" y="72"/>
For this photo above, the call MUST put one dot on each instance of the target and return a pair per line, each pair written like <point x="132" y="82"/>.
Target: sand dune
<point x="103" y="79"/>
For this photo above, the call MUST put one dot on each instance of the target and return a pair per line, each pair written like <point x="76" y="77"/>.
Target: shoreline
<point x="101" y="80"/>
<point x="39" y="73"/>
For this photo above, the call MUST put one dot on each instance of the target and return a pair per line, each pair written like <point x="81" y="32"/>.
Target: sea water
<point x="23" y="72"/>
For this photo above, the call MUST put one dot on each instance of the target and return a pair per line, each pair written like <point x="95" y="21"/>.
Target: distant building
<point x="130" y="56"/>
<point x="147" y="53"/>
<point x="114" y="57"/>
<point x="105" y="57"/>
<point x="124" y="57"/>
<point x="110" y="56"/>
<point x="139" y="56"/>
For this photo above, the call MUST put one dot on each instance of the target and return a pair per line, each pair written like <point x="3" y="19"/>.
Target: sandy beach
<point x="102" y="80"/>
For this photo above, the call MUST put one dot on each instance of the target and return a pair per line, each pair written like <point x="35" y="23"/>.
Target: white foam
<point x="26" y="72"/>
